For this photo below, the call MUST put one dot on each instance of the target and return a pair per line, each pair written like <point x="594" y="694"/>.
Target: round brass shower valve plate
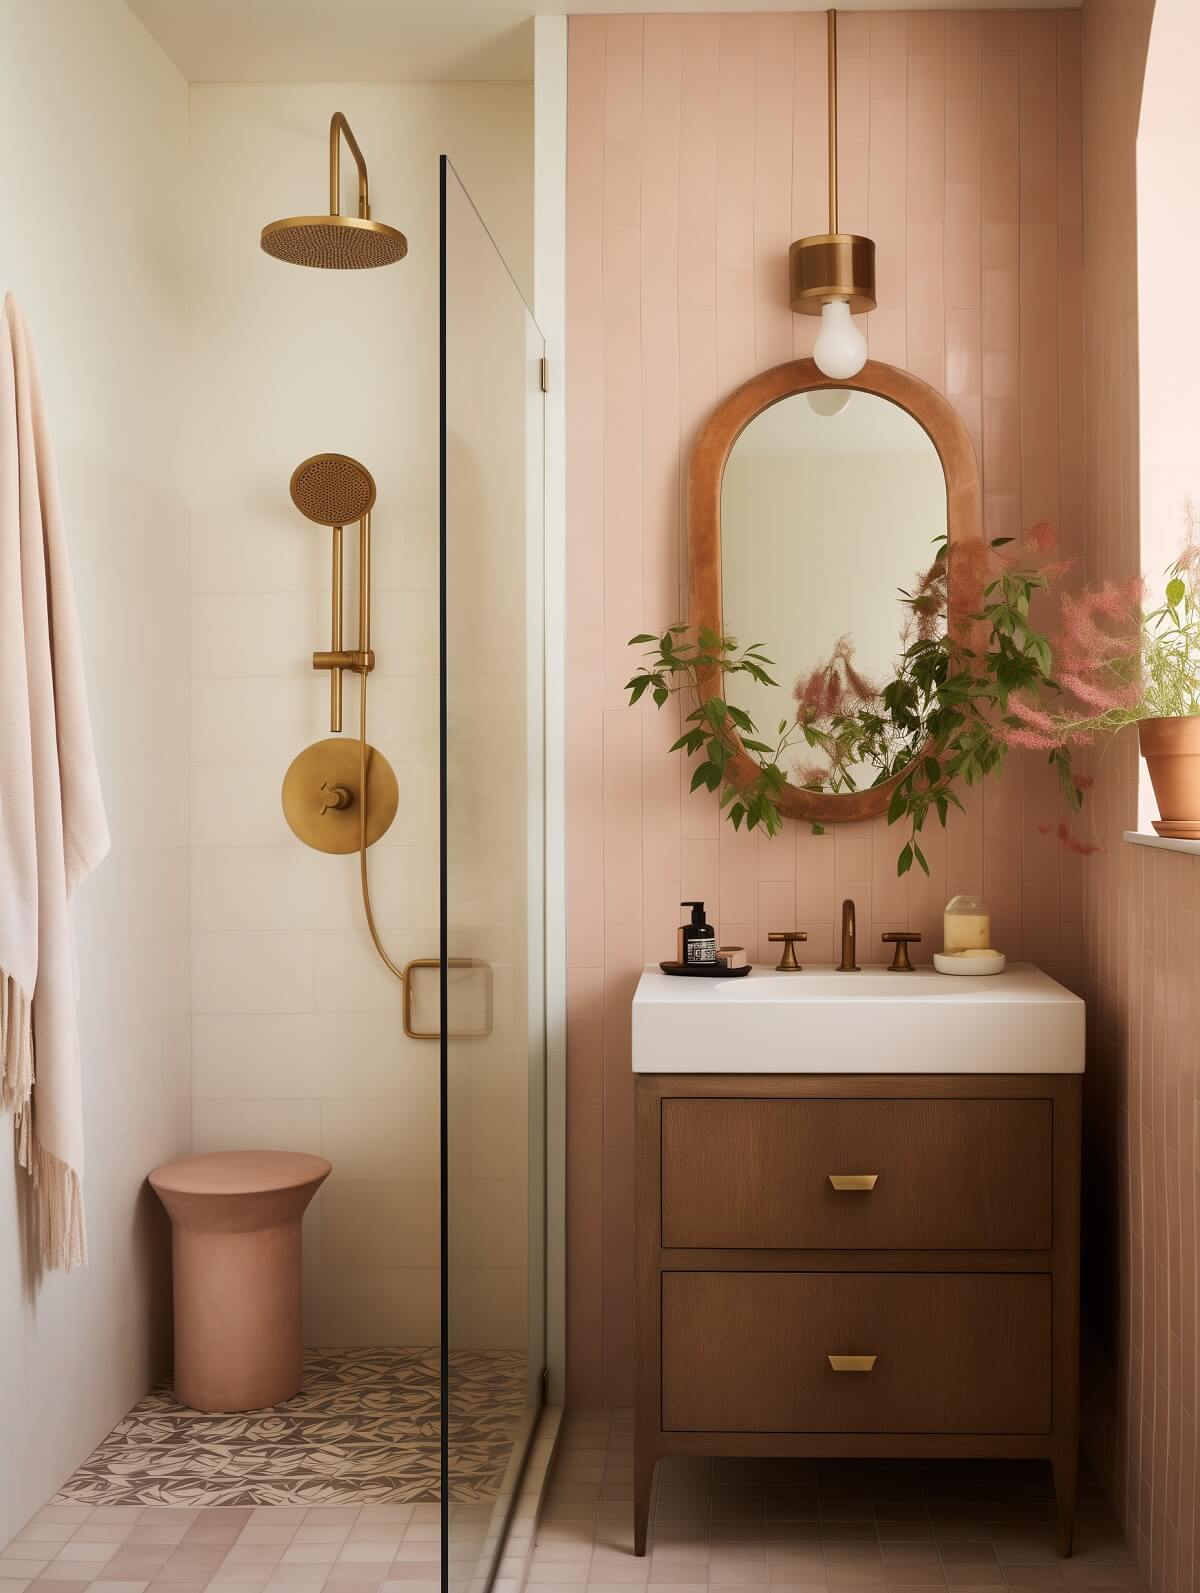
<point x="320" y="795"/>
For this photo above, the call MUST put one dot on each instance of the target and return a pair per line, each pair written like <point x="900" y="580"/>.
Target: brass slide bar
<point x="335" y="673"/>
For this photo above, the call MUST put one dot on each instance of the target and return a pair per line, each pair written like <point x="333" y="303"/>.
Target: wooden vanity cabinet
<point x="854" y="1265"/>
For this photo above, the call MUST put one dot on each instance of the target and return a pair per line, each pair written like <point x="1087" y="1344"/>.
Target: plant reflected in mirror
<point x="944" y="717"/>
<point x="829" y="502"/>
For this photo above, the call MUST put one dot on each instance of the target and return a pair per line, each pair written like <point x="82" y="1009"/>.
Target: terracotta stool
<point x="235" y="1217"/>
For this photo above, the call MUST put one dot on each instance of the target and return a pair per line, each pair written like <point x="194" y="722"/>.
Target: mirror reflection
<point x="831" y="503"/>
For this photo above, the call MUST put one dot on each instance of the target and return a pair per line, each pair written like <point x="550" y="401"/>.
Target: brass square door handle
<point x="864" y="1181"/>
<point x="852" y="1363"/>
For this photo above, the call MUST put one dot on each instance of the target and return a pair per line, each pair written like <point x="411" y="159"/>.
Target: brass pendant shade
<point x="838" y="265"/>
<point x="336" y="242"/>
<point x="832" y="265"/>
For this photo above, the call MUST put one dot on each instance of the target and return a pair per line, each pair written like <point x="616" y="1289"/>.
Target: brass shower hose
<point x="362" y="830"/>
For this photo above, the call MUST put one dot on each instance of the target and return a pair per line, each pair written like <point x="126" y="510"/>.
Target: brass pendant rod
<point x="831" y="36"/>
<point x="339" y="128"/>
<point x="335" y="674"/>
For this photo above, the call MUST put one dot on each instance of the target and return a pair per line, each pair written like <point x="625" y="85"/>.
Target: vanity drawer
<point x="954" y="1353"/>
<point x="755" y="1174"/>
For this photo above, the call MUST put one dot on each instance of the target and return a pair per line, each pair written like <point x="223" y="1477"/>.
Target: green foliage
<point x="946" y="717"/>
<point x="940" y="722"/>
<point x="1171" y="650"/>
<point x="716" y="731"/>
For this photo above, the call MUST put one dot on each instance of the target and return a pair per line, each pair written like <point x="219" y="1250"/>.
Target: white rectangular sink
<point x="875" y="1021"/>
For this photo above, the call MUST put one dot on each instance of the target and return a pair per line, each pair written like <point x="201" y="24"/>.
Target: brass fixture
<point x="902" y="939"/>
<point x="852" y="1363"/>
<point x="320" y="795"/>
<point x="847" y="1181"/>
<point x="833" y="264"/>
<point x="341" y="795"/>
<point x="485" y="1027"/>
<point x="834" y="268"/>
<point x="338" y="791"/>
<point x="336" y="242"/>
<point x="849" y="939"/>
<point x="789" y="937"/>
<point x="335" y="490"/>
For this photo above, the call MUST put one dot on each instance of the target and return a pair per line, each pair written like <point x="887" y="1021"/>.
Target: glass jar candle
<point x="967" y="925"/>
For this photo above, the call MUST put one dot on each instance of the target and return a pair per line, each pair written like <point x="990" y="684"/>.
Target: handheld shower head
<point x="336" y="242"/>
<point x="333" y="489"/>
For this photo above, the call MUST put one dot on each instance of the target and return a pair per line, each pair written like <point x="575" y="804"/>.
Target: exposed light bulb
<point x="829" y="401"/>
<point x="841" y="349"/>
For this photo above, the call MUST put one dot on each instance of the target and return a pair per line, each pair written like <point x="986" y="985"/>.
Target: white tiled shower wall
<point x="297" y="1040"/>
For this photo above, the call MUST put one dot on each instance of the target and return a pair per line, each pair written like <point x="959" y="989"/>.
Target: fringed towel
<point x="52" y="825"/>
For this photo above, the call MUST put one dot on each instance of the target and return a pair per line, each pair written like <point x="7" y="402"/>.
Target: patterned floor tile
<point x="364" y="1429"/>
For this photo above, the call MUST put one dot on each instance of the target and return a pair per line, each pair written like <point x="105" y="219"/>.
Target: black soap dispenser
<point x="697" y="940"/>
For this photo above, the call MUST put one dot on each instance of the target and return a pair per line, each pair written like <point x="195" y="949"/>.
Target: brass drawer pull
<point x="852" y="1363"/>
<point x="854" y="1180"/>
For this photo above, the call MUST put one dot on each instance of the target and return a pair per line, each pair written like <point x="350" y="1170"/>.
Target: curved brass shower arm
<point x="340" y="128"/>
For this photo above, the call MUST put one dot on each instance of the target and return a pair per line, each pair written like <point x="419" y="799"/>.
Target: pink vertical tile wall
<point x="1141" y="946"/>
<point x="696" y="154"/>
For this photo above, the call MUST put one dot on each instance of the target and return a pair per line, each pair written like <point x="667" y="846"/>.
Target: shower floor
<point x="364" y="1430"/>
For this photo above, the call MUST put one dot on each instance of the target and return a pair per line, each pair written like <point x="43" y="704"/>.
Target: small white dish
<point x="968" y="965"/>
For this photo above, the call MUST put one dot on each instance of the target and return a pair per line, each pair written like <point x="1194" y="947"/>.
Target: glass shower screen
<point x="492" y="951"/>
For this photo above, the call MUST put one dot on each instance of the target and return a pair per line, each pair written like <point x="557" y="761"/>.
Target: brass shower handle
<point x="333" y="796"/>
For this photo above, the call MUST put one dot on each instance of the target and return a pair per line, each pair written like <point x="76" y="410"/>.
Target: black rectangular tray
<point x="694" y="970"/>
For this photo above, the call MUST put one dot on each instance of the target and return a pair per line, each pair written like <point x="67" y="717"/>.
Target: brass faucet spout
<point x="849" y="939"/>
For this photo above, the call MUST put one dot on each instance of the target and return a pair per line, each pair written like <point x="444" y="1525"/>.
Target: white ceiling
<point x="406" y="41"/>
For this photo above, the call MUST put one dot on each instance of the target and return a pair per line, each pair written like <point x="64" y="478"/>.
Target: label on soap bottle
<point x="702" y="950"/>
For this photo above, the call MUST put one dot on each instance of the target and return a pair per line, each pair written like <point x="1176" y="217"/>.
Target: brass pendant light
<point x="833" y="273"/>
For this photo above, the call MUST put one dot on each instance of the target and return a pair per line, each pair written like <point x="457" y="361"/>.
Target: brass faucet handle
<point x="787" y="963"/>
<point x="902" y="939"/>
<point x="336" y="797"/>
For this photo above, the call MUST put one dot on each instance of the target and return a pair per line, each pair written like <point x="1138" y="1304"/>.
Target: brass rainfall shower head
<point x="333" y="489"/>
<point x="336" y="242"/>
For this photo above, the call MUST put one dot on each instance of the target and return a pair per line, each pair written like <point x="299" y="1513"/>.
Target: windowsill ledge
<point x="1163" y="842"/>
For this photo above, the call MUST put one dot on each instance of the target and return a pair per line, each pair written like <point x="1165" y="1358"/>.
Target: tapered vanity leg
<point x="643" y="1491"/>
<point x="1066" y="1487"/>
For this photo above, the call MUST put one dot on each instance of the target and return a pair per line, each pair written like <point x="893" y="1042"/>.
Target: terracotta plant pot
<point x="1171" y="748"/>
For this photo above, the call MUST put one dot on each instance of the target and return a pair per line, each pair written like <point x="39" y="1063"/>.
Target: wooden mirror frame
<point x="964" y="520"/>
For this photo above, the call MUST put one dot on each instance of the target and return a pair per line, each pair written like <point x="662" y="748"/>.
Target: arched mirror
<point x="813" y="506"/>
